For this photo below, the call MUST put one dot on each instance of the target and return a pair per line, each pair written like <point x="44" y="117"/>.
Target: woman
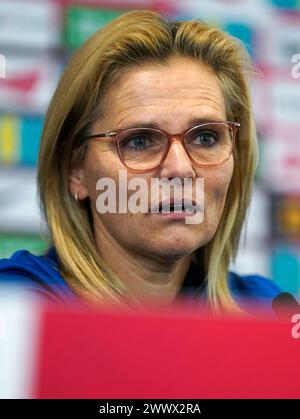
<point x="123" y="96"/>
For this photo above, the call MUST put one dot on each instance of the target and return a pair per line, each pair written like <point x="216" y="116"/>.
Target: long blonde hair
<point x="132" y="39"/>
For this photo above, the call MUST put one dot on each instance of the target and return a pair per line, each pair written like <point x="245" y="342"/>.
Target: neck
<point x="152" y="281"/>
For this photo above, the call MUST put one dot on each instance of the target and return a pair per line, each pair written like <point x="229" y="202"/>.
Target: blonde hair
<point x="135" y="38"/>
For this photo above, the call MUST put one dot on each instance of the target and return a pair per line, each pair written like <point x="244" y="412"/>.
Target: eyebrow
<point x="191" y="122"/>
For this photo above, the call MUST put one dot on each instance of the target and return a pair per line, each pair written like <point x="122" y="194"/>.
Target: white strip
<point x="18" y="343"/>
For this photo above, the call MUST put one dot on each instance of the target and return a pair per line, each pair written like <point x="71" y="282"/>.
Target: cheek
<point x="99" y="163"/>
<point x="106" y="164"/>
<point x="216" y="186"/>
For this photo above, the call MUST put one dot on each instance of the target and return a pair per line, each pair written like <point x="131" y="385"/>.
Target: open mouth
<point x="176" y="207"/>
<point x="179" y="207"/>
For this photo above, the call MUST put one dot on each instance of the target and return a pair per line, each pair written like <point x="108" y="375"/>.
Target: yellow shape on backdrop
<point x="9" y="139"/>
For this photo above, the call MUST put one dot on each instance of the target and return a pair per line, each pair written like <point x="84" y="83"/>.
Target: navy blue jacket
<point x="40" y="274"/>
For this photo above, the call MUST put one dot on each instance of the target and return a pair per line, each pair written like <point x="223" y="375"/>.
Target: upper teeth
<point x="174" y="207"/>
<point x="177" y="207"/>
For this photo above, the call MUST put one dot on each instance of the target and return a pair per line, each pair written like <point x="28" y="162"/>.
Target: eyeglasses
<point x="144" y="149"/>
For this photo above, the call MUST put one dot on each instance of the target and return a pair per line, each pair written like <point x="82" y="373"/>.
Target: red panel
<point x="102" y="355"/>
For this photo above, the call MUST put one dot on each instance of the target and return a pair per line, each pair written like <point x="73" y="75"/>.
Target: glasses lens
<point x="142" y="148"/>
<point x="210" y="143"/>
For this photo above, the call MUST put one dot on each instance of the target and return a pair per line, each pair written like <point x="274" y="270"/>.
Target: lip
<point x="191" y="206"/>
<point x="174" y="215"/>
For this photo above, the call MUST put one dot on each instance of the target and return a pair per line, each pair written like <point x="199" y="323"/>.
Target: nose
<point x="177" y="162"/>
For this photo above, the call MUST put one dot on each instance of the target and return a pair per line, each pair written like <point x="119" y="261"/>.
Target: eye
<point x="204" y="137"/>
<point x="137" y="142"/>
<point x="141" y="141"/>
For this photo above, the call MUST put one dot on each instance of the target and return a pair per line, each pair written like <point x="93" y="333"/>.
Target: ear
<point x="77" y="185"/>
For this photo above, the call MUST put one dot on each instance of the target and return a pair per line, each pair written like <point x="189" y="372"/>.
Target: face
<point x="169" y="96"/>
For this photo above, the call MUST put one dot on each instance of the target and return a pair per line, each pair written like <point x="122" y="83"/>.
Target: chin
<point x="175" y="248"/>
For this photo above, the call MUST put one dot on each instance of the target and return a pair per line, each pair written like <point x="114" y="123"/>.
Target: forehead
<point x="181" y="89"/>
